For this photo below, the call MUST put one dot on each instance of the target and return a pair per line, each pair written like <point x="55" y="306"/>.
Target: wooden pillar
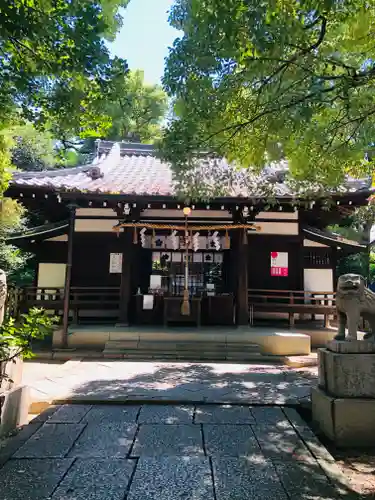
<point x="68" y="276"/>
<point x="242" y="278"/>
<point x="125" y="286"/>
<point x="334" y="259"/>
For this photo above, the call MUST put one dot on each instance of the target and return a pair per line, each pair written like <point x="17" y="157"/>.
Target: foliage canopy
<point x="137" y="110"/>
<point x="55" y="66"/>
<point x="257" y="81"/>
<point x="55" y="73"/>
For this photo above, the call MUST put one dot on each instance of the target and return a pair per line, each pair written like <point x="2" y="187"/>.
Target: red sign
<point x="279" y="271"/>
<point x="279" y="264"/>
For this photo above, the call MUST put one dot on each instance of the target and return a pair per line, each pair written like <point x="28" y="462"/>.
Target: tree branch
<point x="67" y="144"/>
<point x="269" y="111"/>
<point x="322" y="34"/>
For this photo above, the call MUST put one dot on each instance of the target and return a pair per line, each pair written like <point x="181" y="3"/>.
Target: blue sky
<point x="145" y="37"/>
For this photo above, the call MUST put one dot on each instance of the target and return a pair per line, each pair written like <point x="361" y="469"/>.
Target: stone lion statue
<point x="354" y="300"/>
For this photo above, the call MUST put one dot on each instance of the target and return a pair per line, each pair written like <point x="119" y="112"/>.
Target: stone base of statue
<point x="343" y="405"/>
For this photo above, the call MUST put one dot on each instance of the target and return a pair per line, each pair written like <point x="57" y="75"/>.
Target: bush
<point x="16" y="336"/>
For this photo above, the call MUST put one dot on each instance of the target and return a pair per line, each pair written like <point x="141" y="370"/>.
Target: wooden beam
<point x="125" y="286"/>
<point x="68" y="275"/>
<point x="242" y="278"/>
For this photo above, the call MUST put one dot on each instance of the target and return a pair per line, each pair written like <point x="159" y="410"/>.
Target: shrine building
<point x="124" y="246"/>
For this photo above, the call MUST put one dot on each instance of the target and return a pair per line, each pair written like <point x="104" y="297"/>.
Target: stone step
<point x="182" y="350"/>
<point x="200" y="354"/>
<point x="179" y="346"/>
<point x="186" y="356"/>
<point x="222" y="353"/>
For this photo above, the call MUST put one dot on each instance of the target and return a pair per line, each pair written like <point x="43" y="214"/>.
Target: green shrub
<point x="16" y="335"/>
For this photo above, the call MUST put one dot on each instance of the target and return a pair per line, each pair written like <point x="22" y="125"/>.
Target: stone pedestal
<point x="58" y="338"/>
<point x="14" y="408"/>
<point x="344" y="403"/>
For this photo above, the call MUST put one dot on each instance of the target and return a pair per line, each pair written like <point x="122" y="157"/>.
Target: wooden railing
<point x="292" y="296"/>
<point x="292" y="302"/>
<point x="52" y="298"/>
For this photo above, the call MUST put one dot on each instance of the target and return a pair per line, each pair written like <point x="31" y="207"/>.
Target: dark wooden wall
<point x="259" y="266"/>
<point x="91" y="253"/>
<point x="54" y="252"/>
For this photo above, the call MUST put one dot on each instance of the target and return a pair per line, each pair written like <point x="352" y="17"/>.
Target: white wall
<point x="95" y="212"/>
<point x="277" y="215"/>
<point x="318" y="280"/>
<point x="94" y="225"/>
<point x="309" y="243"/>
<point x="51" y="275"/>
<point x="283" y="228"/>
<point x="106" y="225"/>
<point x="166" y="213"/>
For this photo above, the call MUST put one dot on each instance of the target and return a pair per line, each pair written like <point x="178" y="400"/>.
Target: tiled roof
<point x="141" y="174"/>
<point x="40" y="232"/>
<point x="134" y="169"/>
<point x="330" y="238"/>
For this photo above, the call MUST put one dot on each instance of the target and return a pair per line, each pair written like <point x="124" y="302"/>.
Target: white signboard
<point x="115" y="263"/>
<point x="155" y="281"/>
<point x="148" y="302"/>
<point x="279" y="264"/>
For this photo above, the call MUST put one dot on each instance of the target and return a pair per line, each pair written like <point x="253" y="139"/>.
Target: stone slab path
<point x="162" y="452"/>
<point x="111" y="380"/>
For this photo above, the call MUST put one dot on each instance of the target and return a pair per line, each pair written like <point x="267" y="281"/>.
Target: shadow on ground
<point x="197" y="382"/>
<point x="270" y="452"/>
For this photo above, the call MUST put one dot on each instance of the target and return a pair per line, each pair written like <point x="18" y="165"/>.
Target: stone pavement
<point x="162" y="452"/>
<point x="122" y="381"/>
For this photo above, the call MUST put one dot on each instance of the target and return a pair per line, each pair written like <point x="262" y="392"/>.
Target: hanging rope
<point x="185" y="305"/>
<point x="218" y="227"/>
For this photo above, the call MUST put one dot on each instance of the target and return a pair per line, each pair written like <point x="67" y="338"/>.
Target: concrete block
<point x="168" y="439"/>
<point x="14" y="406"/>
<point x="349" y="375"/>
<point x="172" y="478"/>
<point x="322" y="411"/>
<point x="96" y="479"/>
<point x="281" y="343"/>
<point x="245" y="478"/>
<point x="122" y="344"/>
<point x="58" y="337"/>
<point x="43" y="354"/>
<point x="108" y="440"/>
<point x="38" y="480"/>
<point x="113" y="355"/>
<point x="122" y="334"/>
<point x="12" y="371"/>
<point x="65" y="355"/>
<point x="85" y="338"/>
<point x="320" y="338"/>
<point x="346" y="421"/>
<point x="50" y="441"/>
<point x="354" y="422"/>
<point x="352" y="346"/>
<point x="321" y="368"/>
<point x="38" y="407"/>
<point x="9" y="445"/>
